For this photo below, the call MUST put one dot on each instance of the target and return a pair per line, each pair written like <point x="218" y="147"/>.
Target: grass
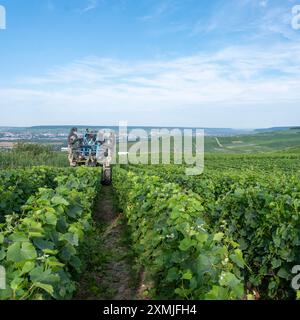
<point x="28" y="155"/>
<point x="256" y="143"/>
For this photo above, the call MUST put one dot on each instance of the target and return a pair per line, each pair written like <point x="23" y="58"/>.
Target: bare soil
<point x="109" y="273"/>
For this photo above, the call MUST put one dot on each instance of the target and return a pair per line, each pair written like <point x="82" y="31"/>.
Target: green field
<point x="25" y="155"/>
<point x="231" y="233"/>
<point x="260" y="142"/>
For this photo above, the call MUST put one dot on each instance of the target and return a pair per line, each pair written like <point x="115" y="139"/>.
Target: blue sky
<point x="202" y="63"/>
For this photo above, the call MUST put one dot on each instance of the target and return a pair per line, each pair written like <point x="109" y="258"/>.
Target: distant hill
<point x="220" y="140"/>
<point x="208" y="131"/>
<point x="262" y="141"/>
<point x="276" y="129"/>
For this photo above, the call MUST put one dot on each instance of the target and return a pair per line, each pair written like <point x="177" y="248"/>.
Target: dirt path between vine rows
<point x="109" y="273"/>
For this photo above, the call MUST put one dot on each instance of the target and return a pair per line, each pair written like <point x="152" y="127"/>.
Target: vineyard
<point x="254" y="213"/>
<point x="231" y="233"/>
<point x="39" y="238"/>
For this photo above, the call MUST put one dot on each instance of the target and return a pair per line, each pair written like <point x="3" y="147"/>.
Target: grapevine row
<point x="38" y="247"/>
<point x="260" y="212"/>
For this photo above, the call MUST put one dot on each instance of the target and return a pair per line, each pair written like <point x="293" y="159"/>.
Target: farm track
<point x="109" y="273"/>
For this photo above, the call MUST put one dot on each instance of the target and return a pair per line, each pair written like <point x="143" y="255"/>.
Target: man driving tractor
<point x="72" y="141"/>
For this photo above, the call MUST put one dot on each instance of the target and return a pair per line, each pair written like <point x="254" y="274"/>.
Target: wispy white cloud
<point x="261" y="18"/>
<point x="163" y="8"/>
<point x="263" y="3"/>
<point x="234" y="79"/>
<point x="91" y="5"/>
<point x="226" y="17"/>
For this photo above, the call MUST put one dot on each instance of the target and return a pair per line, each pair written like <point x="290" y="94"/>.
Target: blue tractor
<point x="92" y="149"/>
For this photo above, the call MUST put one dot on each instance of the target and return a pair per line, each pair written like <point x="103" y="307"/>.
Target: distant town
<point x="14" y="136"/>
<point x="57" y="135"/>
<point x="10" y="136"/>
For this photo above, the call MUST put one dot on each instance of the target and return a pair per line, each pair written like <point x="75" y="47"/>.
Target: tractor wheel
<point x="106" y="176"/>
<point x="91" y="164"/>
